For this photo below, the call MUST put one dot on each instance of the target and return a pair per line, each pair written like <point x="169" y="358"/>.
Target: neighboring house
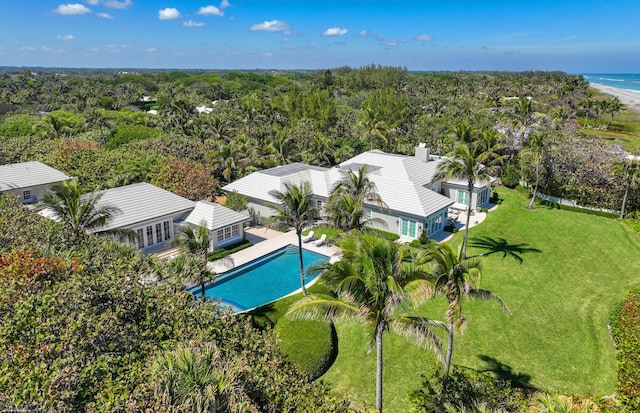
<point x="147" y="211"/>
<point x="226" y="226"/>
<point x="28" y="180"/>
<point x="406" y="184"/>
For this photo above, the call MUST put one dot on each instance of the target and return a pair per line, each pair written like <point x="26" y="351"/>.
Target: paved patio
<point x="460" y="222"/>
<point x="265" y="241"/>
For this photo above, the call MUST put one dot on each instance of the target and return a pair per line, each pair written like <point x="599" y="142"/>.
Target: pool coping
<point x="268" y="246"/>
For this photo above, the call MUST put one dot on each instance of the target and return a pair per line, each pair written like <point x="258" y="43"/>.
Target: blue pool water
<point x="263" y="280"/>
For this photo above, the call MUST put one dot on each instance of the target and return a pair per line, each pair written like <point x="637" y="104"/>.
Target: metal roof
<point x="214" y="215"/>
<point x="401" y="181"/>
<point x="28" y="174"/>
<point x="142" y="202"/>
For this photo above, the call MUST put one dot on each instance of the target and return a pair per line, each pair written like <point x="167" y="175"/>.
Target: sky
<point x="574" y="36"/>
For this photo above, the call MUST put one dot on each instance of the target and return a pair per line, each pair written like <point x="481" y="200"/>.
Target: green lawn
<point x="557" y="337"/>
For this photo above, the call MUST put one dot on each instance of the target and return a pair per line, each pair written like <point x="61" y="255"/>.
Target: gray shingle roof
<point x="215" y="216"/>
<point x="28" y="174"/>
<point x="141" y="202"/>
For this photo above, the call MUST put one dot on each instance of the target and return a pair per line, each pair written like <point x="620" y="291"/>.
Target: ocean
<point x="628" y="81"/>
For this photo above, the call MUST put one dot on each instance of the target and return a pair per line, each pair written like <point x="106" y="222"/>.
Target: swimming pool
<point x="263" y="280"/>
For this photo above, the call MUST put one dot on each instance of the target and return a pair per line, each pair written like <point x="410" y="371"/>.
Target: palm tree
<point x="612" y="107"/>
<point x="535" y="150"/>
<point x="199" y="378"/>
<point x="629" y="170"/>
<point x="225" y="158"/>
<point x="472" y="167"/>
<point x="373" y="283"/>
<point x="79" y="214"/>
<point x="295" y="209"/>
<point x="587" y="104"/>
<point x="195" y="243"/>
<point x="346" y="206"/>
<point x="455" y="276"/>
<point x="373" y="126"/>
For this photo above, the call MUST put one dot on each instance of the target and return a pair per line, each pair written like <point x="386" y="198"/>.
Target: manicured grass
<point x="557" y="337"/>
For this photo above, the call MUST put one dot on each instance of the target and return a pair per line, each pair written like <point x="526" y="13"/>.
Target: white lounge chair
<point x="320" y="241"/>
<point x="308" y="237"/>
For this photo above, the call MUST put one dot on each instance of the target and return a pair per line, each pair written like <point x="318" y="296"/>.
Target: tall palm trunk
<point x="466" y="228"/>
<point x="624" y="198"/>
<point x="535" y="188"/>
<point x="449" y="355"/>
<point x="379" y="367"/>
<point x="304" y="290"/>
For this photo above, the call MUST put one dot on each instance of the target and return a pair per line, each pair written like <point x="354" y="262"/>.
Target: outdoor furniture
<point x="321" y="241"/>
<point x="308" y="237"/>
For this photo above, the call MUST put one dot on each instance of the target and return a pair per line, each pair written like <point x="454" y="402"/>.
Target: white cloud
<point x="105" y="16"/>
<point x="271" y="26"/>
<point x="210" y="11"/>
<point x="224" y="4"/>
<point x="72" y="9"/>
<point x="120" y="5"/>
<point x="191" y="23"/>
<point x="27" y="49"/>
<point x="391" y="43"/>
<point x="169" y="14"/>
<point x="267" y="55"/>
<point x="94" y="50"/>
<point x="335" y="31"/>
<point x="151" y="50"/>
<point x="64" y="37"/>
<point x="425" y="38"/>
<point x="363" y="33"/>
<point x="51" y="50"/>
<point x="92" y="2"/>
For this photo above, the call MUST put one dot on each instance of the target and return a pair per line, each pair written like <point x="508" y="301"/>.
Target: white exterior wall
<point x="173" y="228"/>
<point x="37" y="192"/>
<point x="233" y="239"/>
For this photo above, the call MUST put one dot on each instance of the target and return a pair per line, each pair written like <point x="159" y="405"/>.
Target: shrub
<point x="310" y="345"/>
<point x="451" y="228"/>
<point x="510" y="176"/>
<point x="224" y="251"/>
<point x="485" y="210"/>
<point x="386" y="234"/>
<point x="466" y="389"/>
<point x="625" y="329"/>
<point x="556" y="205"/>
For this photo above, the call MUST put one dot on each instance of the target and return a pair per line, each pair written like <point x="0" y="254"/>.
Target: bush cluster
<point x="224" y="251"/>
<point x="625" y="329"/>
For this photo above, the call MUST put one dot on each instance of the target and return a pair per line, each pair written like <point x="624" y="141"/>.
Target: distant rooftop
<point x="28" y="174"/>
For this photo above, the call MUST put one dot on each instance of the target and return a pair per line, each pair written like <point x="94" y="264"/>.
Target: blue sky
<point x="576" y="36"/>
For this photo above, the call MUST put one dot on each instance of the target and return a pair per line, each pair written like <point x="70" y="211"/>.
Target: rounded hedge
<point x="311" y="345"/>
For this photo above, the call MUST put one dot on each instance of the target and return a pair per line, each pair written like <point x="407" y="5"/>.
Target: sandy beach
<point x="629" y="98"/>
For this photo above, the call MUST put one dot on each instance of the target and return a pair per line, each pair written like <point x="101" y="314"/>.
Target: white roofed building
<point x="414" y="198"/>
<point x="29" y="180"/>
<point x="225" y="226"/>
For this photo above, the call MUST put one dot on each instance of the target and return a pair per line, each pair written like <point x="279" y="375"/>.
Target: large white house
<point x="29" y="180"/>
<point x="414" y="198"/>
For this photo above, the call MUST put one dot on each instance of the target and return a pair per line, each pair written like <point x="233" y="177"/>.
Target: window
<point x="369" y="213"/>
<point x="167" y="230"/>
<point x="408" y="228"/>
<point x="150" y="235"/>
<point x="158" y="233"/>
<point x="235" y="231"/>
<point x="26" y="195"/>
<point x="463" y="197"/>
<point x="139" y="238"/>
<point x="227" y="232"/>
<point x="220" y="235"/>
<point x="483" y="196"/>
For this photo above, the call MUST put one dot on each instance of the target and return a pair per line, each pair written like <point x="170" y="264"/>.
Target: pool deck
<point x="265" y="241"/>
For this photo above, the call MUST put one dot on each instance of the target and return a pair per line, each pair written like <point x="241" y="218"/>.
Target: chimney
<point x="422" y="152"/>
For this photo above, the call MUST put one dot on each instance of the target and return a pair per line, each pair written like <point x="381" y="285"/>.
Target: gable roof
<point x="402" y="181"/>
<point x="214" y="215"/>
<point x="28" y="174"/>
<point x="142" y="202"/>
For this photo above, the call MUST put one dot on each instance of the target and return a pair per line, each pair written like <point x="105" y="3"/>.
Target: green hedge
<point x="224" y="251"/>
<point x="386" y="234"/>
<point x="625" y="329"/>
<point x="451" y="228"/>
<point x="311" y="345"/>
<point x="587" y="211"/>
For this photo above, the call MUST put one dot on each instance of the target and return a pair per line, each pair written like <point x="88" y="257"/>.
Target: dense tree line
<point x="258" y="120"/>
